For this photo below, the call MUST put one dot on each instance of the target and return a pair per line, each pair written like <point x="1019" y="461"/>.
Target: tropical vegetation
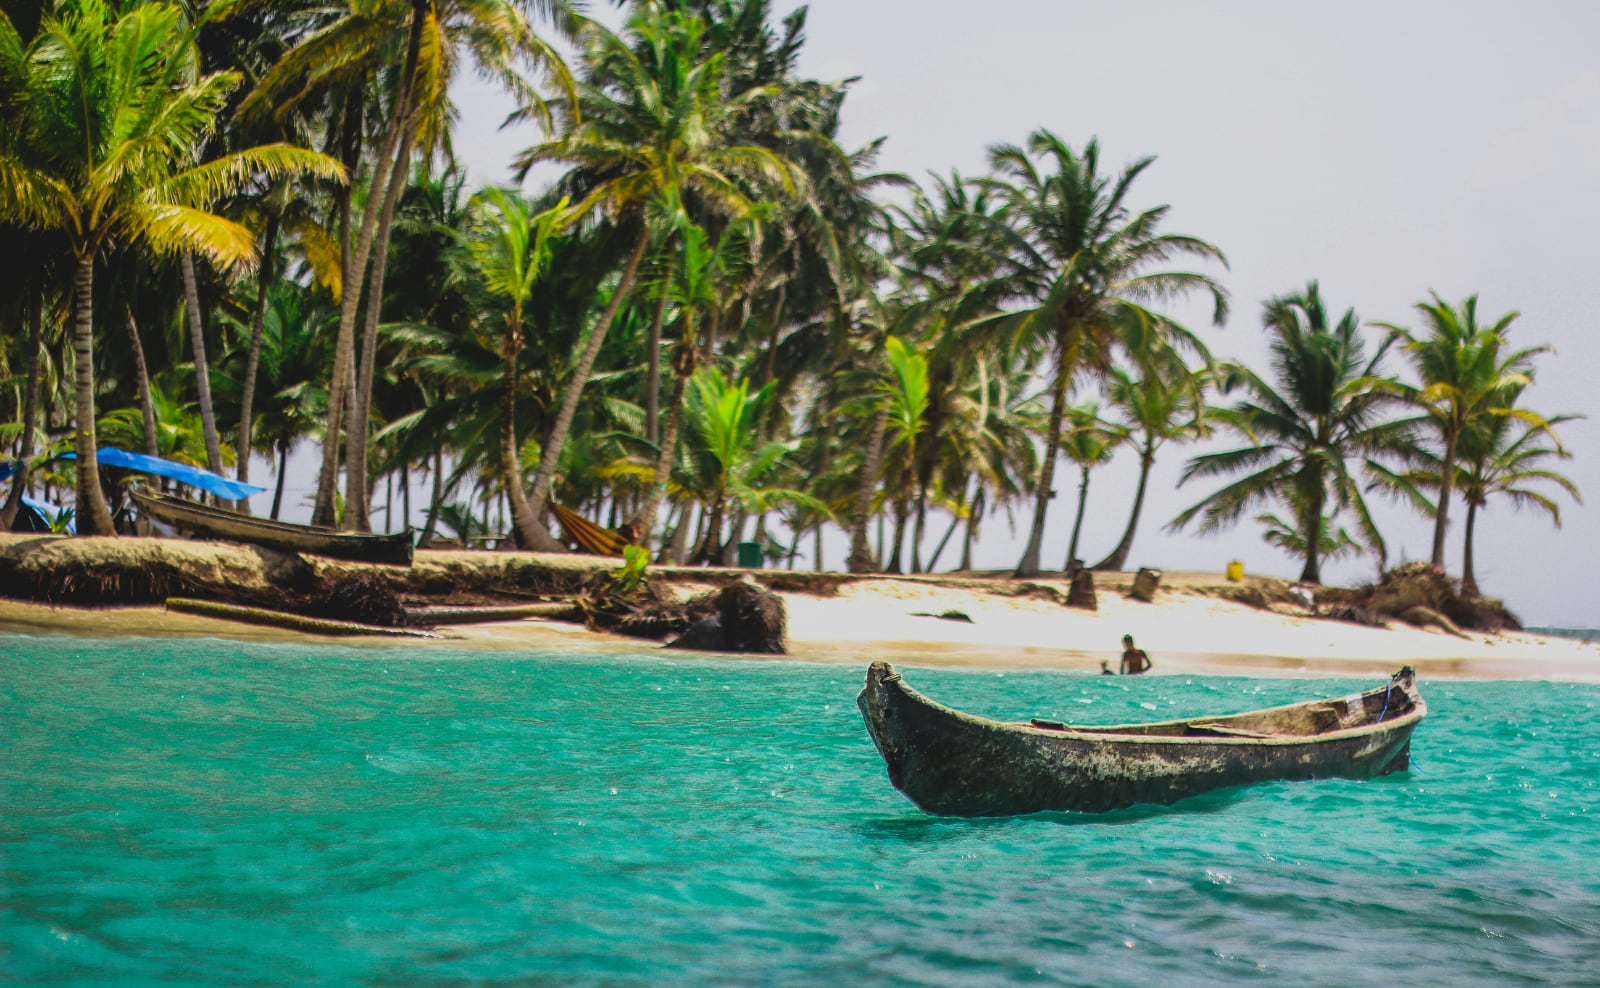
<point x="698" y="319"/>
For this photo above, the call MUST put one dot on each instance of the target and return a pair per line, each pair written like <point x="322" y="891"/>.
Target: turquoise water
<point x="214" y="812"/>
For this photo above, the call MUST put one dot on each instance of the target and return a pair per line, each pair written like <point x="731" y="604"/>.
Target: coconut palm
<point x="1164" y="404"/>
<point x="726" y="459"/>
<point x="1089" y="441"/>
<point x="1505" y="455"/>
<point x="402" y="54"/>
<point x="1465" y="370"/>
<point x="904" y="393"/>
<point x="1078" y="275"/>
<point x="657" y="126"/>
<point x="292" y="342"/>
<point x="1497" y="454"/>
<point x="1327" y="408"/>
<point x="509" y="247"/>
<point x="100" y="144"/>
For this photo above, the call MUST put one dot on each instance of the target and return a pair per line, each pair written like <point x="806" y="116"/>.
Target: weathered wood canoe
<point x="215" y="523"/>
<point x="955" y="764"/>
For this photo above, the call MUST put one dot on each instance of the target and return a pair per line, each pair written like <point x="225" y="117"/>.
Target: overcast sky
<point x="1384" y="149"/>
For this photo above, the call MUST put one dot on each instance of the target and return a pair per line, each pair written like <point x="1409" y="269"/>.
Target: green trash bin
<point x="749" y="555"/>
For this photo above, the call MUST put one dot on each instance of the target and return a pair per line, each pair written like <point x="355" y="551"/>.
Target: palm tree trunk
<point x="202" y="371"/>
<point x="678" y="545"/>
<point x="955" y="522"/>
<point x="1077" y="524"/>
<point x="525" y="525"/>
<point x="30" y="412"/>
<point x="283" y="469"/>
<point x="357" y="487"/>
<point x="405" y="496"/>
<point x="435" y="501"/>
<point x="769" y="366"/>
<point x="1313" y="568"/>
<point x="816" y="549"/>
<point x="93" y="514"/>
<point x="919" y="530"/>
<point x="141" y="370"/>
<point x="652" y="390"/>
<point x="645" y="523"/>
<point x="1119" y="556"/>
<point x="1029" y="565"/>
<point x="861" y="559"/>
<point x="550" y="455"/>
<point x="247" y="391"/>
<point x="901" y="513"/>
<point x="355" y="272"/>
<point x="979" y="504"/>
<point x="708" y="350"/>
<point x="710" y="552"/>
<point x="1441" y="519"/>
<point x="1469" y="579"/>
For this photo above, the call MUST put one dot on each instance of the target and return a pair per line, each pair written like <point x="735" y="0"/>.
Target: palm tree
<point x="295" y="338"/>
<point x="1505" y="455"/>
<point x="409" y="51"/>
<point x="1079" y="270"/>
<point x="1497" y="454"/>
<point x="510" y="250"/>
<point x="656" y="127"/>
<point x="1089" y="441"/>
<point x="1165" y="404"/>
<point x="727" y="460"/>
<point x="1326" y="409"/>
<point x="904" y="393"/>
<point x="101" y="145"/>
<point x="1464" y="374"/>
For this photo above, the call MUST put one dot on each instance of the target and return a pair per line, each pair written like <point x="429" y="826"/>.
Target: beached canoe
<point x="215" y="523"/>
<point x="956" y="764"/>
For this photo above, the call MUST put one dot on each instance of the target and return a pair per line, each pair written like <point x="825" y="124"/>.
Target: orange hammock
<point x="591" y="538"/>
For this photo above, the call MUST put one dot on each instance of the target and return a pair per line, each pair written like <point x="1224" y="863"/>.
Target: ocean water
<point x="207" y="812"/>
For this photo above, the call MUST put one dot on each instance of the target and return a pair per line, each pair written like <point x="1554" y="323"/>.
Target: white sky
<point x="1385" y="149"/>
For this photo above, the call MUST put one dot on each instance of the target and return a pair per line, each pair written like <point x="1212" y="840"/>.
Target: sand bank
<point x="1185" y="633"/>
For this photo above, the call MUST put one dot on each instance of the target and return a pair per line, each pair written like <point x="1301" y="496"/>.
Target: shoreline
<point x="1186" y="633"/>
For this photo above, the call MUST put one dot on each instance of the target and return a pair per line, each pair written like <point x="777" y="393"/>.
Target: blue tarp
<point x="207" y="481"/>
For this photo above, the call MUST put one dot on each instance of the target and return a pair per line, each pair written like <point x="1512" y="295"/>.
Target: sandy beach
<point x="1185" y="631"/>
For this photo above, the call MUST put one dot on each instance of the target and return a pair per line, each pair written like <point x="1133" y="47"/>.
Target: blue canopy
<point x="7" y="468"/>
<point x="207" y="481"/>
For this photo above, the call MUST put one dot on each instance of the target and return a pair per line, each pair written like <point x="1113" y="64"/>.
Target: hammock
<point x="591" y="538"/>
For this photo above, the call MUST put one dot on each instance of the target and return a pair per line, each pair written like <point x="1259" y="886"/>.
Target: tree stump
<point x="1081" y="594"/>
<point x="1145" y="584"/>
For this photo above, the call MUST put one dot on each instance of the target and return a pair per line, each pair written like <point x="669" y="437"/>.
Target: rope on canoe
<point x="1388" y="690"/>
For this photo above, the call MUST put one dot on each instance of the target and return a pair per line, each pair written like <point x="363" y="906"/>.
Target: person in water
<point x="1135" y="661"/>
<point x="1105" y="668"/>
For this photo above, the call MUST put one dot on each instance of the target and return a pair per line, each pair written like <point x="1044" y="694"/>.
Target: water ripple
<point x="207" y="812"/>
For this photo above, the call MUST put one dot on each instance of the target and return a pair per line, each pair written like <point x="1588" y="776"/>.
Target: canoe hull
<point x="954" y="764"/>
<point x="393" y="549"/>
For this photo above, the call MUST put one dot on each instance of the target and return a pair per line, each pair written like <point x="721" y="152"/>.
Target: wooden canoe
<point x="215" y="523"/>
<point x="956" y="764"/>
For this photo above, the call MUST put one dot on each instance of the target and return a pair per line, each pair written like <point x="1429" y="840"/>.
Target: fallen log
<point x="550" y="610"/>
<point x="282" y="619"/>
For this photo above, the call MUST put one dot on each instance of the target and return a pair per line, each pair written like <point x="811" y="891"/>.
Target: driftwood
<point x="551" y="610"/>
<point x="282" y="619"/>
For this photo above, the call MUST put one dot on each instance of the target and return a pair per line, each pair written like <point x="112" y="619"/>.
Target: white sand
<point x="1184" y="633"/>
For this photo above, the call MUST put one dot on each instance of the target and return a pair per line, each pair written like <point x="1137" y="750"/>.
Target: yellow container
<point x="1236" y="571"/>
